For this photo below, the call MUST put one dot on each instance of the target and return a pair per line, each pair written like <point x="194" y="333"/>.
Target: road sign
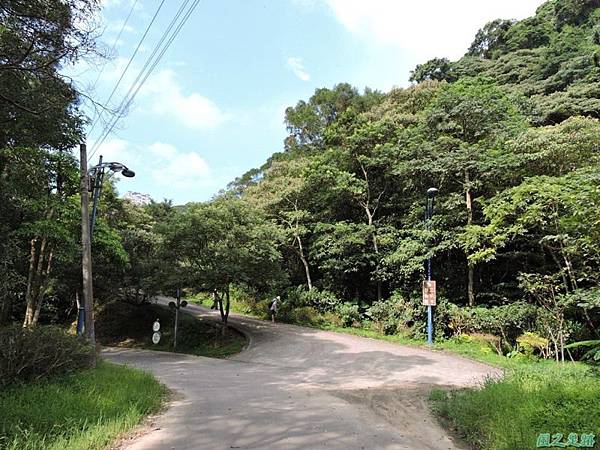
<point x="429" y="296"/>
<point x="156" y="337"/>
<point x="156" y="326"/>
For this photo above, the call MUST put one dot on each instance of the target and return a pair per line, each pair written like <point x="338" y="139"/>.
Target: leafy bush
<point x="592" y="354"/>
<point x="321" y="300"/>
<point x="348" y="313"/>
<point x="408" y="316"/>
<point x="506" y="321"/>
<point x="306" y="315"/>
<point x="530" y="342"/>
<point x="390" y="316"/>
<point x="29" y="354"/>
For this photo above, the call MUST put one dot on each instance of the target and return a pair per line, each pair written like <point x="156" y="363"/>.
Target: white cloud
<point x="182" y="170"/>
<point x="192" y="110"/>
<point x="426" y="28"/>
<point x="158" y="164"/>
<point x="114" y="149"/>
<point x="296" y="66"/>
<point x="163" y="151"/>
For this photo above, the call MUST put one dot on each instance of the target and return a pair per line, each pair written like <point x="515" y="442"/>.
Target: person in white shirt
<point x="274" y="307"/>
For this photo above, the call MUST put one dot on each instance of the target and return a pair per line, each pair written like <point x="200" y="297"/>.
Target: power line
<point x="125" y="101"/>
<point x="128" y="64"/>
<point x="147" y="70"/>
<point x="114" y="45"/>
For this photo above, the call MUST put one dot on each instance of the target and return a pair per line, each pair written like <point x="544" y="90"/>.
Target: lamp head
<point x="128" y="173"/>
<point x="432" y="192"/>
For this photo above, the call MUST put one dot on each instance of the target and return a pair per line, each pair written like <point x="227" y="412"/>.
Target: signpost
<point x="429" y="285"/>
<point x="429" y="295"/>
<point x="156" y="332"/>
<point x="177" y="306"/>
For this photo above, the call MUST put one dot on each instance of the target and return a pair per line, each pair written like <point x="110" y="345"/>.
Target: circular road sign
<point x="156" y="337"/>
<point x="156" y="326"/>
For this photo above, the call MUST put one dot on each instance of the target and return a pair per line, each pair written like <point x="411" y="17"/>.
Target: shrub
<point x="321" y="300"/>
<point x="529" y="342"/>
<point x="391" y="315"/>
<point x="304" y="315"/>
<point x="348" y="313"/>
<point x="29" y="354"/>
<point x="507" y="321"/>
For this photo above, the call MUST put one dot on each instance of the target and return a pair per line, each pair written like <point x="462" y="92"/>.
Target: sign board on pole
<point x="429" y="296"/>
<point x="156" y="337"/>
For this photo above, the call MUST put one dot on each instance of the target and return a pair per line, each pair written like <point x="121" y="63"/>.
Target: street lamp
<point x="97" y="177"/>
<point x="429" y="291"/>
<point x="96" y="174"/>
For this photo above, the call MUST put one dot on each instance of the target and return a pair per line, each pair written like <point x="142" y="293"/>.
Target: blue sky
<point x="213" y="108"/>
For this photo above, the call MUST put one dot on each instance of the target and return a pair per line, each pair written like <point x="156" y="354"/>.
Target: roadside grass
<point x="510" y="413"/>
<point x="85" y="410"/>
<point x="125" y="325"/>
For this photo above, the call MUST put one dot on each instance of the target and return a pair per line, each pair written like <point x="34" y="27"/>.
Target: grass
<point x="86" y="410"/>
<point x="510" y="413"/>
<point x="125" y="325"/>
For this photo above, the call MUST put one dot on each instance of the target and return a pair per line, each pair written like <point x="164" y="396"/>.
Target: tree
<point x="282" y="194"/>
<point x="223" y="242"/>
<point x="491" y="39"/>
<point x="467" y="119"/>
<point x="37" y="103"/>
<point x="438" y="69"/>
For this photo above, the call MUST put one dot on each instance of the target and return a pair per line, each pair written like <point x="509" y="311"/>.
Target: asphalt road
<point x="300" y="388"/>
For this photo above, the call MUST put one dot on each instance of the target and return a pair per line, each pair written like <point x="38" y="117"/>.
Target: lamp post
<point x="431" y="193"/>
<point x="97" y="176"/>
<point x="93" y="179"/>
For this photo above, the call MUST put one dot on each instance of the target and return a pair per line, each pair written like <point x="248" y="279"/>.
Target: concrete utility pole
<point x="86" y="260"/>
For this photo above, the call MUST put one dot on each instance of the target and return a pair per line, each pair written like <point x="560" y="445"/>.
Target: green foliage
<point x="85" y="410"/>
<point x="530" y="342"/>
<point x="130" y="325"/>
<point x="438" y="69"/>
<point x="593" y="352"/>
<point x="510" y="413"/>
<point x="32" y="354"/>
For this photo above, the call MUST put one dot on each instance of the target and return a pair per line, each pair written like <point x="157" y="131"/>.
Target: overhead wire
<point x="124" y="71"/>
<point x="114" y="45"/>
<point x="151" y="63"/>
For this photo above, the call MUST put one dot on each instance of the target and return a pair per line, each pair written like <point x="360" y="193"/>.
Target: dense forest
<point x="509" y="135"/>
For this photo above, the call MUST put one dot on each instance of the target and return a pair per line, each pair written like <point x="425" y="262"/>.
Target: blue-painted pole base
<point x="429" y="325"/>
<point x="80" y="321"/>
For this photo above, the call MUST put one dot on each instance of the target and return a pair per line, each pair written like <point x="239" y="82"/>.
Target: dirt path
<point x="299" y="388"/>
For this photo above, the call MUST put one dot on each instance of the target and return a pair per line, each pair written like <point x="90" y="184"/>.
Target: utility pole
<point x="86" y="260"/>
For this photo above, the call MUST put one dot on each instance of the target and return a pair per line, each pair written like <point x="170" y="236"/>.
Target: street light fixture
<point x="431" y="193"/>
<point x="96" y="175"/>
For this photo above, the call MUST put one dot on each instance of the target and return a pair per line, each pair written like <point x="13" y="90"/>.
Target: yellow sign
<point x="429" y="293"/>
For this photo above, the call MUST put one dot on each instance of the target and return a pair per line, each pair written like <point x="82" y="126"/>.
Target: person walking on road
<point x="274" y="307"/>
<point x="215" y="304"/>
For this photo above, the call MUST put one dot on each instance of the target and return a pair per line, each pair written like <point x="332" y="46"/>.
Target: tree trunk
<point x="304" y="262"/>
<point x="470" y="289"/>
<point x="227" y="304"/>
<point x="43" y="290"/>
<point x="375" y="249"/>
<point x="470" y="268"/>
<point x="30" y="307"/>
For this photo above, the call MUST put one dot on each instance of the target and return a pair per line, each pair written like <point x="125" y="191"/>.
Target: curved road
<point x="300" y="388"/>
